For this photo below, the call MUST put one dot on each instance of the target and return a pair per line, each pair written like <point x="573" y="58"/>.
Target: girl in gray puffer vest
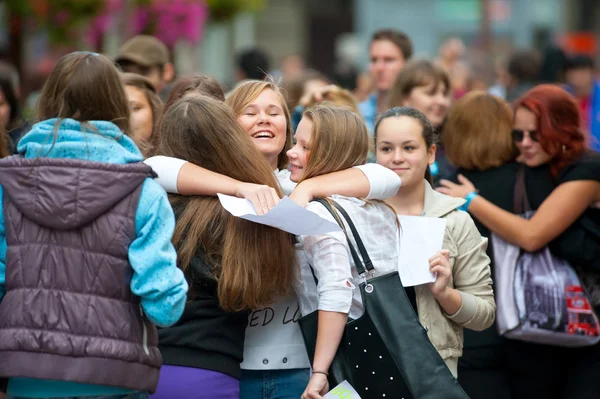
<point x="87" y="268"/>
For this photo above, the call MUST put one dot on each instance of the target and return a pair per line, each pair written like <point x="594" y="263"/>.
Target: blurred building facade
<point x="329" y="32"/>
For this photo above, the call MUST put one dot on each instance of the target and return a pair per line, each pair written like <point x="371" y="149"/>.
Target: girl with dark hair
<point x="462" y="295"/>
<point x="547" y="133"/>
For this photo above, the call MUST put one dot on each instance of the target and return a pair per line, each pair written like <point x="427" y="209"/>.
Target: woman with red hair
<point x="547" y="132"/>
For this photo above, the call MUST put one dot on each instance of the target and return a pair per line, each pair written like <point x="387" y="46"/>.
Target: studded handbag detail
<point x="385" y="353"/>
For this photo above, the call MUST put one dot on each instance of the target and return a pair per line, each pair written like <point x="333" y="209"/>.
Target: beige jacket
<point x="470" y="276"/>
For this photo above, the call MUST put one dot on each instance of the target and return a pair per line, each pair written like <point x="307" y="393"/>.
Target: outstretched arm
<point x="182" y="177"/>
<point x="370" y="181"/>
<point x="559" y="211"/>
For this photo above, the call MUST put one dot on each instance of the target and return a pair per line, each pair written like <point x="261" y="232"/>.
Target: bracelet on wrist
<point x="321" y="372"/>
<point x="469" y="197"/>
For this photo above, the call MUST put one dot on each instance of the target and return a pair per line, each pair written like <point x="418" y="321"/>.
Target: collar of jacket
<point x="437" y="204"/>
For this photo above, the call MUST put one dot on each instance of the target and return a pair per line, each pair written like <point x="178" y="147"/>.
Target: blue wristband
<point x="469" y="198"/>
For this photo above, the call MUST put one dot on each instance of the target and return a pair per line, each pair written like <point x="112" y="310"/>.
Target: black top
<point x="580" y="243"/>
<point x="206" y="336"/>
<point x="497" y="186"/>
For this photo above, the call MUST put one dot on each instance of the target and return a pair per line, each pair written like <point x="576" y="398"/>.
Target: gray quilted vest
<point x="68" y="313"/>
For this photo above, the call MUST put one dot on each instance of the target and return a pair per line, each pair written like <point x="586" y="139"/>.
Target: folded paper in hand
<point x="344" y="390"/>
<point x="286" y="215"/>
<point x="422" y="237"/>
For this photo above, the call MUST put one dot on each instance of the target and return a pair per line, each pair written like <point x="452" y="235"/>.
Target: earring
<point x="564" y="148"/>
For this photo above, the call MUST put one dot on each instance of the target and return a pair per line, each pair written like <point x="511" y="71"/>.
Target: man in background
<point x="389" y="50"/>
<point x="148" y="56"/>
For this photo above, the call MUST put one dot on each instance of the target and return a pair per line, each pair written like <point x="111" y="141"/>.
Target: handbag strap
<point x="361" y="267"/>
<point x="521" y="201"/>
<point x="359" y="243"/>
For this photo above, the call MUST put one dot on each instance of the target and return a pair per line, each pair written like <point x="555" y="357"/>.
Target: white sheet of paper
<point x="286" y="215"/>
<point x="421" y="238"/>
<point x="344" y="390"/>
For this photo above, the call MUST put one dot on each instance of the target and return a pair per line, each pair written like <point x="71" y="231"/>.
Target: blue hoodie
<point x="156" y="279"/>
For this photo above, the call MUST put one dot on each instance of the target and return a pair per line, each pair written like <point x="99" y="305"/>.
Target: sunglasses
<point x="518" y="135"/>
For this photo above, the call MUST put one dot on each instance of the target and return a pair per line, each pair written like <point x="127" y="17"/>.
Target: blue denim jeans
<point x="273" y="384"/>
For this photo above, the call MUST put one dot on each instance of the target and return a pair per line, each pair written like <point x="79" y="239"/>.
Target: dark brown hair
<point x="429" y="134"/>
<point x="417" y="73"/>
<point x="85" y="86"/>
<point x="524" y="65"/>
<point x="400" y="40"/>
<point x="254" y="263"/>
<point x="195" y="83"/>
<point x="477" y="132"/>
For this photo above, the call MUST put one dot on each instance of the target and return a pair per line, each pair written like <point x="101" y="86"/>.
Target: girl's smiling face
<point x="264" y="120"/>
<point x="401" y="147"/>
<point x="300" y="152"/>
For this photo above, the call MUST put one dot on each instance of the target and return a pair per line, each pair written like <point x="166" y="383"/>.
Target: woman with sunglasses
<point x="547" y="132"/>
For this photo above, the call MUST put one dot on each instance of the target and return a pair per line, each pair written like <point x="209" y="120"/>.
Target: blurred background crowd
<point x="481" y="43"/>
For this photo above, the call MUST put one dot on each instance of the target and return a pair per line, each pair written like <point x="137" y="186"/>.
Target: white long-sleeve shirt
<point x="383" y="181"/>
<point x="329" y="256"/>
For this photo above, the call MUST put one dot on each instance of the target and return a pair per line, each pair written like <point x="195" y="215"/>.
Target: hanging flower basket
<point x="173" y="20"/>
<point x="62" y="19"/>
<point x="169" y="20"/>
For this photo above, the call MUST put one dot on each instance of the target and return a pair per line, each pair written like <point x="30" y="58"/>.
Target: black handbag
<point x="385" y="353"/>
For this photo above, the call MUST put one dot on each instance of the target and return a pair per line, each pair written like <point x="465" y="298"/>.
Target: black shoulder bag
<point x="385" y="353"/>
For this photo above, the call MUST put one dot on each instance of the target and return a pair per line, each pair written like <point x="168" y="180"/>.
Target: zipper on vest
<point x="144" y="332"/>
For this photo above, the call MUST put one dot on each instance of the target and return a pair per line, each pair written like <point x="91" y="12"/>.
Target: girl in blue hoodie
<point x="87" y="268"/>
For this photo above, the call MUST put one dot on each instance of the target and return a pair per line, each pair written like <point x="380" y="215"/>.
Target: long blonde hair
<point x="247" y="92"/>
<point x="253" y="263"/>
<point x="339" y="140"/>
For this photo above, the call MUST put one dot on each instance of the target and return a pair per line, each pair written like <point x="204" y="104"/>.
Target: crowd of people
<point x="123" y="277"/>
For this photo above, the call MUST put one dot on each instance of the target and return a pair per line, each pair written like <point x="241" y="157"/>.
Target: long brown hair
<point x="86" y="87"/>
<point x="339" y="140"/>
<point x="248" y="91"/>
<point x="253" y="263"/>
